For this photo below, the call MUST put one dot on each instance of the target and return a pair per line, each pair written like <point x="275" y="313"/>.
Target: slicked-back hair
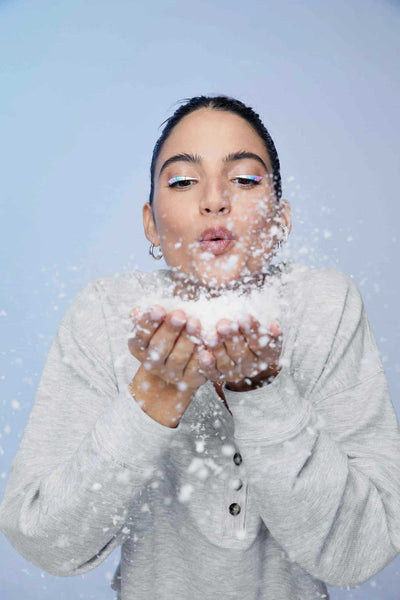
<point x="228" y="104"/>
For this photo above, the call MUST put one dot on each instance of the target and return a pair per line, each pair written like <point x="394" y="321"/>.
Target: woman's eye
<point x="185" y="182"/>
<point x="249" y="180"/>
<point x="176" y="180"/>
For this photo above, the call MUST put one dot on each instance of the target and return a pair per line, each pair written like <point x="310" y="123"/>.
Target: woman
<point x="252" y="465"/>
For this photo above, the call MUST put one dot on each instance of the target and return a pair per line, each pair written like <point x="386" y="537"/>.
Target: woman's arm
<point x="321" y="443"/>
<point x="87" y="451"/>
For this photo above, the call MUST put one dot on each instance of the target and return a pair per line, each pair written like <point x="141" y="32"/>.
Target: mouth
<point x="217" y="240"/>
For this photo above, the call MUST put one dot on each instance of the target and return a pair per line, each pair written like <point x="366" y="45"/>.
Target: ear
<point x="285" y="213"/>
<point x="149" y="225"/>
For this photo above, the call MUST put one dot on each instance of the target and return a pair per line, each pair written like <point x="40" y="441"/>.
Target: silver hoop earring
<point x="158" y="255"/>
<point x="286" y="234"/>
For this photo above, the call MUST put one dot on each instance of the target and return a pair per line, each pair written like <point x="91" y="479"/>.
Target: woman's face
<point x="198" y="202"/>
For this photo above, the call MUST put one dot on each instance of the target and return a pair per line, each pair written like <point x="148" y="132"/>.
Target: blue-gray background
<point x="84" y="88"/>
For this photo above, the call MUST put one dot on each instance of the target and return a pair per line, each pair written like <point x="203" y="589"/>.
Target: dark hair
<point x="228" y="104"/>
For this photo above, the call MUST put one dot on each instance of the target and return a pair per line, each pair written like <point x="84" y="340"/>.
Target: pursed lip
<point x="216" y="233"/>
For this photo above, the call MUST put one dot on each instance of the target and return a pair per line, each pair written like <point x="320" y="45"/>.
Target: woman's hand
<point x="169" y="346"/>
<point x="243" y="354"/>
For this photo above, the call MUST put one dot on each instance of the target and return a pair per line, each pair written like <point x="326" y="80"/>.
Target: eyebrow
<point x="195" y="158"/>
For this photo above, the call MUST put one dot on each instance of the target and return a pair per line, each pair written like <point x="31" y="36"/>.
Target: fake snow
<point x="241" y="534"/>
<point x="200" y="445"/>
<point x="231" y="262"/>
<point x="261" y="303"/>
<point x="185" y="492"/>
<point x="227" y="450"/>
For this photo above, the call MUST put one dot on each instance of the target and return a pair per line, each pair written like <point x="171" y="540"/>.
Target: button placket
<point x="236" y="496"/>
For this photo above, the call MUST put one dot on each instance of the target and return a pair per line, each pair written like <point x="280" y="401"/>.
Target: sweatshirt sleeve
<point x="321" y="443"/>
<point x="87" y="451"/>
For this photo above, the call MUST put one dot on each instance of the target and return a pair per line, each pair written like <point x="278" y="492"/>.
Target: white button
<point x="236" y="484"/>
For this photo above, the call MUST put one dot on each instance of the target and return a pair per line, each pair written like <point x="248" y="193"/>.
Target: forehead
<point x="212" y="134"/>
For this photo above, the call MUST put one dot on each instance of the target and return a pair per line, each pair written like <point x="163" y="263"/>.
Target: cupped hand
<point x="169" y="346"/>
<point x="243" y="352"/>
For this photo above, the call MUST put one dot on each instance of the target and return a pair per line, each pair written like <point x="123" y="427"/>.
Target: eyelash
<point x="253" y="179"/>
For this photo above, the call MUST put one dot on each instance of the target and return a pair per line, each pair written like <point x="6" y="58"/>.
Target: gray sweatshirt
<point x="297" y="487"/>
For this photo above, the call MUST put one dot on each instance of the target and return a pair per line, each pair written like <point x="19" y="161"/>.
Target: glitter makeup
<point x="257" y="178"/>
<point x="252" y="177"/>
<point x="173" y="179"/>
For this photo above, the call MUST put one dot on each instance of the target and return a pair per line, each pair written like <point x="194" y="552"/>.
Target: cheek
<point x="263" y="206"/>
<point x="256" y="216"/>
<point x="170" y="226"/>
<point x="176" y="234"/>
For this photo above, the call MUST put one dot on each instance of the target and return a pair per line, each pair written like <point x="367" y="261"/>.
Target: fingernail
<point x="274" y="325"/>
<point x="191" y="326"/>
<point x="177" y="321"/>
<point x="277" y="323"/>
<point x="211" y="340"/>
<point x="135" y="312"/>
<point x="156" y="313"/>
<point x="225" y="329"/>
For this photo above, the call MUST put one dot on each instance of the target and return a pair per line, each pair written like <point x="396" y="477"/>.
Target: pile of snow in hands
<point x="261" y="303"/>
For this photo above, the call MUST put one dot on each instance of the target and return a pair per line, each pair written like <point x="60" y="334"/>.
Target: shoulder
<point x="108" y="298"/>
<point x="316" y="286"/>
<point x="325" y="315"/>
<point x="320" y="301"/>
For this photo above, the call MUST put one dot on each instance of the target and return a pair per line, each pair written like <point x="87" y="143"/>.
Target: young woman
<point x="250" y="465"/>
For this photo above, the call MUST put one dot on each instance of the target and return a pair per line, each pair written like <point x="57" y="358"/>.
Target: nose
<point x="215" y="201"/>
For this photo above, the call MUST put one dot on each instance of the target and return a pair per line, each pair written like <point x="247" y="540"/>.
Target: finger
<point x="207" y="366"/>
<point x="275" y="335"/>
<point x="144" y="324"/>
<point x="257" y="338"/>
<point x="224" y="363"/>
<point x="193" y="375"/>
<point x="264" y="342"/>
<point x="164" y="339"/>
<point x="182" y="351"/>
<point x="275" y="329"/>
<point x="237" y="347"/>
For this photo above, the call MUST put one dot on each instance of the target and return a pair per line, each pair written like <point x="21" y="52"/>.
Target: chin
<point x="224" y="274"/>
<point x="224" y="271"/>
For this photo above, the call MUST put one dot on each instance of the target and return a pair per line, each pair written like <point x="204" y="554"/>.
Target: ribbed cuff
<point x="130" y="435"/>
<point x="272" y="413"/>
